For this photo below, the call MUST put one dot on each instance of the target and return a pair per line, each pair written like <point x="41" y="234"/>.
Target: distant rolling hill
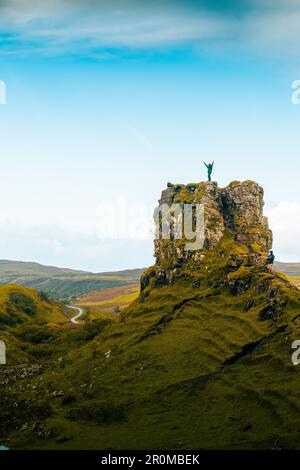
<point x="109" y="302"/>
<point x="65" y="283"/>
<point x="290" y="269"/>
<point x="61" y="282"/>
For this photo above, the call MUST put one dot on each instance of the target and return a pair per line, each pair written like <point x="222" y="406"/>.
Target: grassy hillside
<point x="62" y="283"/>
<point x="295" y="280"/>
<point x="184" y="367"/>
<point x="19" y="305"/>
<point x="22" y="308"/>
<point x="290" y="269"/>
<point x="200" y="360"/>
<point x="108" y="302"/>
<point x="19" y="268"/>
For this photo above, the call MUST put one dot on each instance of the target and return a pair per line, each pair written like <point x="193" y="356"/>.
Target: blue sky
<point x="110" y="100"/>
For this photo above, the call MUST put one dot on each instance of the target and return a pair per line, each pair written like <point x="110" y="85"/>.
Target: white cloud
<point x="80" y="26"/>
<point x="93" y="28"/>
<point x="57" y="246"/>
<point x="116" y="238"/>
<point x="284" y="220"/>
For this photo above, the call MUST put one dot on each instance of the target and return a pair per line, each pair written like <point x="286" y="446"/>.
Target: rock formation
<point x="236" y="233"/>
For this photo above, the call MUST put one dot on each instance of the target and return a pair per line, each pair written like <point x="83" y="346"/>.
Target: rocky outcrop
<point x="242" y="208"/>
<point x="234" y="228"/>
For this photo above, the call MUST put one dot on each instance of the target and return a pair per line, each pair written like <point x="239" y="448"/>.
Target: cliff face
<point x="236" y="232"/>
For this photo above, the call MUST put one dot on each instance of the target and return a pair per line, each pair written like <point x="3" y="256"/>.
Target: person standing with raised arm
<point x="210" y="167"/>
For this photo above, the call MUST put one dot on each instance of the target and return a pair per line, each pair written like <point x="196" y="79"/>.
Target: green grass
<point x="295" y="280"/>
<point x="109" y="305"/>
<point x="182" y="373"/>
<point x="201" y="363"/>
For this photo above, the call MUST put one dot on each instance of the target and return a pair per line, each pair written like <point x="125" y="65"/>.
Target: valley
<point x="197" y="357"/>
<point x="63" y="283"/>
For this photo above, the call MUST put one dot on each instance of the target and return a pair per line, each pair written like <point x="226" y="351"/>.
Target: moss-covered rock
<point x="236" y="232"/>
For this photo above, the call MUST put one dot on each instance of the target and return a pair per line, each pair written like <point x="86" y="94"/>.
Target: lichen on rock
<point x="236" y="232"/>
